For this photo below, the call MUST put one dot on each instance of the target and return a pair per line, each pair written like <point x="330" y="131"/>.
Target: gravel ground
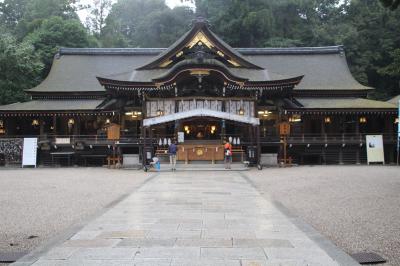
<point x="45" y="202"/>
<point x="357" y="207"/>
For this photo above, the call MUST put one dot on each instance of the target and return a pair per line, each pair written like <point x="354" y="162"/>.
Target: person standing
<point x="228" y="154"/>
<point x="172" y="155"/>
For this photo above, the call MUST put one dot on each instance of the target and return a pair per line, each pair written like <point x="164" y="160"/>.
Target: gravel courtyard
<point x="357" y="207"/>
<point x="38" y="204"/>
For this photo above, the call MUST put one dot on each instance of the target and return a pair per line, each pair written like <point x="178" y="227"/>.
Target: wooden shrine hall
<point x="108" y="105"/>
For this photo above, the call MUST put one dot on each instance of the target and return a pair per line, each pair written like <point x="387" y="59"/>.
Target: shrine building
<point x="115" y="104"/>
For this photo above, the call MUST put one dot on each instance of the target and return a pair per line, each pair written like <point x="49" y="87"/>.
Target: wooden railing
<point x="346" y="138"/>
<point x="292" y="139"/>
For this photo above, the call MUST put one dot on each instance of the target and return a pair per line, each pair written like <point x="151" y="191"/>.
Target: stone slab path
<point x="193" y="218"/>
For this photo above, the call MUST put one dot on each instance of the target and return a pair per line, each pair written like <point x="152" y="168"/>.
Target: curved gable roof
<point x="76" y="69"/>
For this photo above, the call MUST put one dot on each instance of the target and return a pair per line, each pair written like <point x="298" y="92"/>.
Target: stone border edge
<point x="34" y="255"/>
<point x="323" y="242"/>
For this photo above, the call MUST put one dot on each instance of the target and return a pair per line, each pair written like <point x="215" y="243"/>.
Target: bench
<point x="62" y="155"/>
<point x="85" y="157"/>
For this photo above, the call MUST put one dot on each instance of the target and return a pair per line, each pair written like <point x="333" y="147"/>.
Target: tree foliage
<point x="392" y="4"/>
<point x="369" y="29"/>
<point x="96" y="20"/>
<point x="150" y="23"/>
<point x="11" y="13"/>
<point x="55" y="33"/>
<point x="369" y="32"/>
<point x="20" y="68"/>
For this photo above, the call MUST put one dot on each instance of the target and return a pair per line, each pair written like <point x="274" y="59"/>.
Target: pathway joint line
<point x="324" y="243"/>
<point x="33" y="256"/>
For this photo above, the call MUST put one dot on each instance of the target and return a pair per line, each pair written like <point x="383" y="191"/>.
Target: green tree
<point x="96" y="20"/>
<point x="55" y="33"/>
<point x="162" y="28"/>
<point x="37" y="11"/>
<point x="368" y="31"/>
<point x="11" y="13"/>
<point x="144" y="23"/>
<point x="20" y="69"/>
<point x="393" y="69"/>
<point x="369" y="48"/>
<point x="392" y="4"/>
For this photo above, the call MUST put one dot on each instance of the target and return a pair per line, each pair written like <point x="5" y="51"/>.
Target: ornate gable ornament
<point x="200" y="39"/>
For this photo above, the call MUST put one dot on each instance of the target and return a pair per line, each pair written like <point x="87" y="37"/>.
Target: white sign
<point x="181" y="137"/>
<point x="29" y="153"/>
<point x="63" y="140"/>
<point x="375" y="151"/>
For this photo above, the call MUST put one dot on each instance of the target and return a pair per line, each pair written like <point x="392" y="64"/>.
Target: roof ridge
<point x="245" y="51"/>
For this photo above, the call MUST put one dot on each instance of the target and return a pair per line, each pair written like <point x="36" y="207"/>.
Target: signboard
<point x="29" y="153"/>
<point x="284" y="128"/>
<point x="63" y="140"/>
<point x="181" y="137"/>
<point x="113" y="132"/>
<point x="375" y="152"/>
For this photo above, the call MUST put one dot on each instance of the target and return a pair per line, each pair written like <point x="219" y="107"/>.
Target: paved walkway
<point x="189" y="218"/>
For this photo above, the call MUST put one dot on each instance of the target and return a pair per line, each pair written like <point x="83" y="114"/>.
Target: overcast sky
<point x="83" y="13"/>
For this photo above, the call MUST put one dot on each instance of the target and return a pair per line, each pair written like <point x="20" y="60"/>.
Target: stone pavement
<point x="193" y="218"/>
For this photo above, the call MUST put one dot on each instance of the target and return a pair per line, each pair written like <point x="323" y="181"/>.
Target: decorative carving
<point x="221" y="54"/>
<point x="200" y="72"/>
<point x="200" y="38"/>
<point x="236" y="64"/>
<point x="166" y="63"/>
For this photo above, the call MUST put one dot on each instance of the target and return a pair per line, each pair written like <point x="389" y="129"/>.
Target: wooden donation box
<point x="284" y="128"/>
<point x="113" y="132"/>
<point x="191" y="152"/>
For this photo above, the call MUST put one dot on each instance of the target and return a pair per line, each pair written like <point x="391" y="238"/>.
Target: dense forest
<point x="31" y="32"/>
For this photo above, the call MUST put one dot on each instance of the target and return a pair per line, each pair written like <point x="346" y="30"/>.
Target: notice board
<point x="113" y="132"/>
<point x="181" y="137"/>
<point x="29" y="152"/>
<point x="375" y="152"/>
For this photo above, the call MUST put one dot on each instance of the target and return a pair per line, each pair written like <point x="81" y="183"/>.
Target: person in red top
<point x="228" y="154"/>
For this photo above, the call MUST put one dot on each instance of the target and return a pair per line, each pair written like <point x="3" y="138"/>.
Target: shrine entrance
<point x="201" y="138"/>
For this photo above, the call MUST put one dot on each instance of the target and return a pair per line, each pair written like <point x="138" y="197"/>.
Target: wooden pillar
<point x="41" y="129"/>
<point x="357" y="125"/>
<point x="223" y="130"/>
<point x="144" y="157"/>
<point x="54" y="125"/>
<point x="122" y="121"/>
<point x="340" y="156"/>
<point x="76" y="126"/>
<point x="258" y="144"/>
<point x="388" y="125"/>
<point x="358" y="156"/>
<point x="251" y="140"/>
<point x="176" y="129"/>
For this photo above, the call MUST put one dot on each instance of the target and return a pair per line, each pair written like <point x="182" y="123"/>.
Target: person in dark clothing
<point x="172" y="155"/>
